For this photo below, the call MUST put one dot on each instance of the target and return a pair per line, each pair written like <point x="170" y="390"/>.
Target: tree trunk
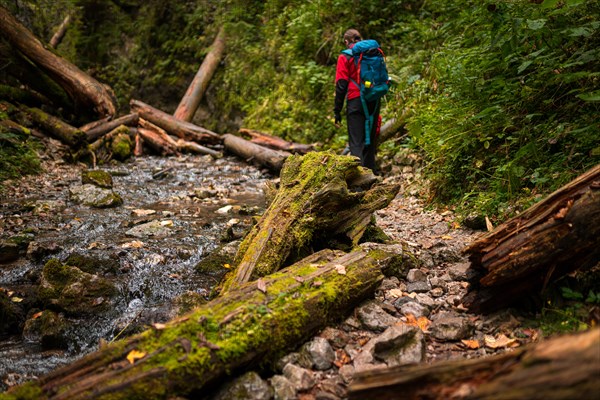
<point x="249" y="151"/>
<point x="193" y="147"/>
<point x="248" y="327"/>
<point x="554" y="237"/>
<point x="82" y="88"/>
<point x="60" y="32"/>
<point x="324" y="200"/>
<point x="169" y="123"/>
<point x="276" y="143"/>
<point x="102" y="129"/>
<point x="56" y="128"/>
<point x="191" y="100"/>
<point x="565" y="367"/>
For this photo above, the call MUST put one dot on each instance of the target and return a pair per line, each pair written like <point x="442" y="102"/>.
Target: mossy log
<point x="276" y="143"/>
<point x="56" y="127"/>
<point x="549" y="240"/>
<point x="86" y="91"/>
<point x="191" y="100"/>
<point x="565" y="367"/>
<point x="251" y="152"/>
<point x="105" y="140"/>
<point x="169" y="123"/>
<point x="18" y="95"/>
<point x="324" y="200"/>
<point x="251" y="326"/>
<point x="96" y="132"/>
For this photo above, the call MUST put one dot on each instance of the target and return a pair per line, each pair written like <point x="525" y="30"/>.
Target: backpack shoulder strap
<point x="347" y="52"/>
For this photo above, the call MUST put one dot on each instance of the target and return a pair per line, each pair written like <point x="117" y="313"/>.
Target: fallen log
<point x="565" y="367"/>
<point x="191" y="100"/>
<point x="276" y="143"/>
<point x="248" y="327"/>
<point x="193" y="147"/>
<point x="93" y="124"/>
<point x="158" y="142"/>
<point x="549" y="240"/>
<point x="169" y="123"/>
<point x="138" y="151"/>
<point x="56" y="127"/>
<point x="60" y="32"/>
<point x="324" y="200"/>
<point x="249" y="151"/>
<point x="85" y="91"/>
<point x="18" y="95"/>
<point x="96" y="132"/>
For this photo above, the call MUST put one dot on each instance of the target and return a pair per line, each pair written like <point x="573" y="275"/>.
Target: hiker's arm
<point x="342" y="76"/>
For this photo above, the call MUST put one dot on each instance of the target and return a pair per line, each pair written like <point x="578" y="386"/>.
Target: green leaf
<point x="536" y="24"/>
<point x="549" y="3"/>
<point x="590" y="96"/>
<point x="524" y="66"/>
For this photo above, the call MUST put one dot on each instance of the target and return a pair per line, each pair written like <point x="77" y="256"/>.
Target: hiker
<point x="346" y="78"/>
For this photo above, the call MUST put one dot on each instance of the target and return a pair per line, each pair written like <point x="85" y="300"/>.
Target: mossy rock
<point x="93" y="265"/>
<point x="214" y="264"/>
<point x="47" y="328"/>
<point x="121" y="147"/>
<point x="94" y="196"/>
<point x="374" y="234"/>
<point x="98" y="178"/>
<point x="9" y="251"/>
<point x="66" y="288"/>
<point x="188" y="301"/>
<point x="11" y="316"/>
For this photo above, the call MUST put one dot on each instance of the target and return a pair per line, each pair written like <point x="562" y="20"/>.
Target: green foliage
<point x="17" y="155"/>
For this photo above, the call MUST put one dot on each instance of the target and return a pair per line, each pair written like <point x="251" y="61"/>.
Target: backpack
<point x="373" y="79"/>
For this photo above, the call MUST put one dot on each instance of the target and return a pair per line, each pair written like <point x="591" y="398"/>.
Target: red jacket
<point x="346" y="70"/>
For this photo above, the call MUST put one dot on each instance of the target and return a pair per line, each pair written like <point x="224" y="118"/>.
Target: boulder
<point x="248" y="386"/>
<point x="48" y="329"/>
<point x="97" y="177"/>
<point x="373" y="317"/>
<point x="93" y="196"/>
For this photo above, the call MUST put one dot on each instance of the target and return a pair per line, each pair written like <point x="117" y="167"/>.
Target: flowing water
<point x="195" y="200"/>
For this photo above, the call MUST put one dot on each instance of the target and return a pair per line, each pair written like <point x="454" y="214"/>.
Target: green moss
<point x="97" y="177"/>
<point x="27" y="391"/>
<point x="121" y="147"/>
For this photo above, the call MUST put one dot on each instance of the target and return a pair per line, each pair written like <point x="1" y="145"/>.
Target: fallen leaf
<point x="261" y="285"/>
<point x="226" y="266"/>
<point x="447" y="237"/>
<point x="317" y="283"/>
<point x="471" y="344"/>
<point x="37" y="315"/>
<point x="341" y="358"/>
<point x="422" y="322"/>
<point x="135" y="355"/>
<point x="186" y="344"/>
<point x="136" y="244"/>
<point x="159" y="326"/>
<point x="341" y="269"/>
<point x="499" y="342"/>
<point x="488" y="224"/>
<point x="16" y="299"/>
<point x="395" y="293"/>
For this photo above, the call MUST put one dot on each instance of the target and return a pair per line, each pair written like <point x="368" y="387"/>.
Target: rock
<point x="335" y="386"/>
<point x="351" y="323"/>
<point x="213" y="263"/>
<point x="400" y="345"/>
<point x="153" y="228"/>
<point x="337" y="338"/>
<point x="321" y="353"/>
<point x="40" y="250"/>
<point x="347" y="372"/>
<point x="121" y="146"/>
<point x="97" y="177"/>
<point x="283" y="389"/>
<point x="460" y="271"/>
<point x="451" y="327"/>
<point x="416" y="275"/>
<point x="437" y="282"/>
<point x="373" y="317"/>
<point x="93" y="265"/>
<point x="475" y="222"/>
<point x="424" y="299"/>
<point x="49" y="329"/>
<point x="47" y="207"/>
<point x="248" y="386"/>
<point x="189" y="300"/>
<point x="71" y="290"/>
<point x="437" y="292"/>
<point x="414" y="308"/>
<point x="418" y="287"/>
<point x="322" y="395"/>
<point x="301" y="359"/>
<point x="9" y="251"/>
<point x="301" y="378"/>
<point x="94" y="196"/>
<point x="389" y="283"/>
<point x="11" y="315"/>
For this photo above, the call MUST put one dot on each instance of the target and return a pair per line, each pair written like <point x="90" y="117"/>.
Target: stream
<point x="197" y="204"/>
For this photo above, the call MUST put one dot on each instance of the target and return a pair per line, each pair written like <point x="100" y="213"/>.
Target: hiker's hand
<point x="337" y="119"/>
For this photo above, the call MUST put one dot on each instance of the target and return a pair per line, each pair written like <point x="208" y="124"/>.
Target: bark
<point x="276" y="143"/>
<point x="102" y="129"/>
<point x="10" y="126"/>
<point x="191" y="100"/>
<point x="138" y="151"/>
<point x="94" y="124"/>
<point x="249" y="326"/>
<point x="56" y="128"/>
<point x="565" y="367"/>
<point x="554" y="237"/>
<point x="249" y="151"/>
<point x="182" y="129"/>
<point x="324" y="200"/>
<point x="157" y="138"/>
<point x="85" y="91"/>
<point x="105" y="140"/>
<point x="60" y="32"/>
<point x="193" y="147"/>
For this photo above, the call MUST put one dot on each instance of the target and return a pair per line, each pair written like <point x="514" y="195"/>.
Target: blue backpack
<point x="373" y="79"/>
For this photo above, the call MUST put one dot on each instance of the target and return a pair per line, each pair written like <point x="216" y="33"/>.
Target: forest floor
<point x="425" y="306"/>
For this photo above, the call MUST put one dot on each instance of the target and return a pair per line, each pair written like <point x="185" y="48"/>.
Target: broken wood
<point x="105" y="140"/>
<point x="248" y="327"/>
<point x="565" y="367"/>
<point x="249" y="151"/>
<point x="169" y="123"/>
<point x="324" y="200"/>
<point x="191" y="100"/>
<point x="96" y="132"/>
<point x="276" y="143"/>
<point x="60" y="32"/>
<point x="56" y="127"/>
<point x="85" y="91"/>
<point x="157" y="138"/>
<point x="193" y="147"/>
<point x="554" y="237"/>
<point x="93" y="124"/>
<point x="138" y="151"/>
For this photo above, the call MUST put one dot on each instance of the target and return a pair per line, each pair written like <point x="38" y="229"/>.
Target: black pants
<point x="356" y="132"/>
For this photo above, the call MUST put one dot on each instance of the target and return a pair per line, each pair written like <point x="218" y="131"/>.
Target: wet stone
<point x="373" y="317"/>
<point x="48" y="329"/>
<point x="336" y="337"/>
<point x="418" y="287"/>
<point x="321" y="353"/>
<point x="414" y="308"/>
<point x="389" y="283"/>
<point x="347" y="372"/>
<point x="301" y="378"/>
<point x="39" y="250"/>
<point x="399" y="345"/>
<point x="9" y="251"/>
<point x="302" y="359"/>
<point x="451" y="327"/>
<point x="97" y="178"/>
<point x="416" y="275"/>
<point x="93" y="196"/>
<point x="248" y="386"/>
<point x="283" y="389"/>
<point x="152" y="228"/>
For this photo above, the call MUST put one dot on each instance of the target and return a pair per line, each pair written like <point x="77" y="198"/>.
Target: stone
<point x="248" y="386"/>
<point x="336" y="337"/>
<point x="400" y="345"/>
<point x="373" y="317"/>
<point x="334" y="385"/>
<point x="416" y="275"/>
<point x="301" y="359"/>
<point x="97" y="177"/>
<point x="11" y="315"/>
<point x="121" y="147"/>
<point x="437" y="292"/>
<point x="460" y="271"/>
<point x="426" y="300"/>
<point x="40" y="250"/>
<point x="301" y="378"/>
<point x="283" y="389"/>
<point x="418" y="287"/>
<point x="351" y="323"/>
<point x="322" y="395"/>
<point x="9" y="251"/>
<point x="93" y="265"/>
<point x="93" y="196"/>
<point x="389" y="283"/>
<point x="321" y="353"/>
<point x="153" y="228"/>
<point x="47" y="207"/>
<point x="416" y="309"/>
<point x="48" y="329"/>
<point x="450" y="327"/>
<point x="347" y="372"/>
